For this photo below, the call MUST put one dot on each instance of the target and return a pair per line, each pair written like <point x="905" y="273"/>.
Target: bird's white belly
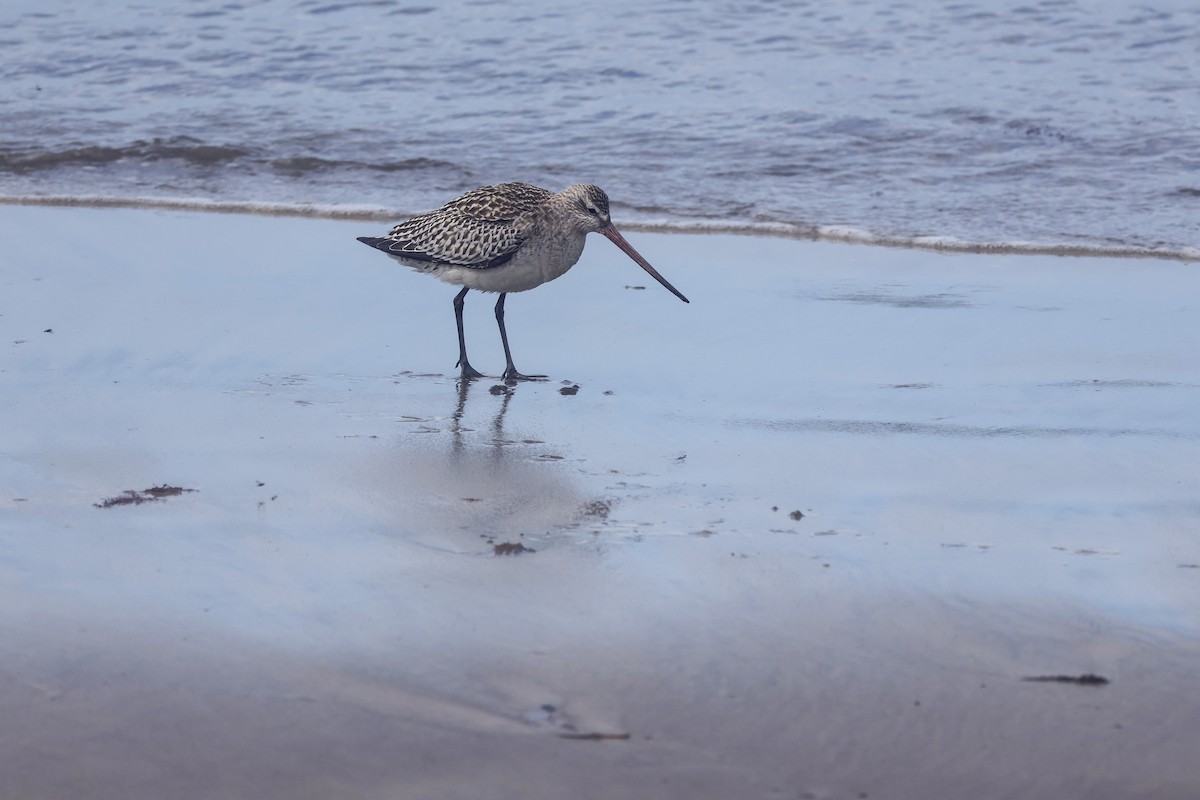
<point x="534" y="264"/>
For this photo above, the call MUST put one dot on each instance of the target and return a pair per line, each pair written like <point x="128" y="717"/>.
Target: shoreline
<point x="840" y="234"/>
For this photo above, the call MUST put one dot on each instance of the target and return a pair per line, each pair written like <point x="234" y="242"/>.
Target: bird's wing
<point x="504" y="202"/>
<point x="452" y="239"/>
<point x="483" y="228"/>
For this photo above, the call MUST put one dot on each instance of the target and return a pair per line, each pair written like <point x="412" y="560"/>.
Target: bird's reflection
<point x="499" y="439"/>
<point x="488" y="475"/>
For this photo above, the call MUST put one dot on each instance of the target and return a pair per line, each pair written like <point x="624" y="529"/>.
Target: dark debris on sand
<point x="133" y="498"/>
<point x="599" y="509"/>
<point x="594" y="737"/>
<point x="1087" y="679"/>
<point x="511" y="549"/>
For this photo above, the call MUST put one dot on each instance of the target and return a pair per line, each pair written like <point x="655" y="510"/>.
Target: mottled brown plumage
<point x="483" y="228"/>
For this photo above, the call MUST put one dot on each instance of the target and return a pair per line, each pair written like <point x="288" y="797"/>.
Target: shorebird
<point x="510" y="237"/>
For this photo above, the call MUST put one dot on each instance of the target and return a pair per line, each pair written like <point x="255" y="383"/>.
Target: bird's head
<point x="588" y="207"/>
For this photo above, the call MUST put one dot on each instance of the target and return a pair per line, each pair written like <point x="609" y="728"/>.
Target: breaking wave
<point x="190" y="152"/>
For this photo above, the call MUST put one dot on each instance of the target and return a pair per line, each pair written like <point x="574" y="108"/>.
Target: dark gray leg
<point x="510" y="372"/>
<point x="468" y="372"/>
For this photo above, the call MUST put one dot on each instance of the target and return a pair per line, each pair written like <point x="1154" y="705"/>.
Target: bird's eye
<point x="592" y="210"/>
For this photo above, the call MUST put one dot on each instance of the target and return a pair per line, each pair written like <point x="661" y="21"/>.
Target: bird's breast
<point x="552" y="256"/>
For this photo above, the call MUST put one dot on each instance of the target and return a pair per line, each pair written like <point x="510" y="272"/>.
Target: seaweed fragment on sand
<point x="594" y="737"/>
<point x="130" y="497"/>
<point x="1087" y="679"/>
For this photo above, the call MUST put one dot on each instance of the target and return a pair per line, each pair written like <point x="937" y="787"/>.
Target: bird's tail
<point x="377" y="242"/>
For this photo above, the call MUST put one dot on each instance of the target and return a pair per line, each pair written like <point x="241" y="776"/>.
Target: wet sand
<point x="803" y="538"/>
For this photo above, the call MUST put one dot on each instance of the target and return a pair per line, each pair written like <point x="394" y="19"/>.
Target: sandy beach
<point x="806" y="537"/>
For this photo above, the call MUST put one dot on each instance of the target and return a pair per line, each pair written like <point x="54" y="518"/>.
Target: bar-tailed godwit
<point x="511" y="237"/>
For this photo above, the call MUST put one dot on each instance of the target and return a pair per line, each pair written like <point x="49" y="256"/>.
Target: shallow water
<point x="1058" y="123"/>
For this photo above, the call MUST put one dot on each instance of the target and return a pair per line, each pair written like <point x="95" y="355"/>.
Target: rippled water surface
<point x="1054" y="123"/>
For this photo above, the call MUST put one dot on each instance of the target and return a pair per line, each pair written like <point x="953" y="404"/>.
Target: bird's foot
<point x="512" y="376"/>
<point x="469" y="373"/>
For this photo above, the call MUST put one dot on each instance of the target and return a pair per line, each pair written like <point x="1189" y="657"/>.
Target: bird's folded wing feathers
<point x="501" y="203"/>
<point x="483" y="228"/>
<point x="449" y="238"/>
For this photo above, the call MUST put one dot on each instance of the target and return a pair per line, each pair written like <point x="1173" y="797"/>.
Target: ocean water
<point x="1059" y="125"/>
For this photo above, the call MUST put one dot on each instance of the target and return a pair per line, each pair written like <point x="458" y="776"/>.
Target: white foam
<point x="832" y="233"/>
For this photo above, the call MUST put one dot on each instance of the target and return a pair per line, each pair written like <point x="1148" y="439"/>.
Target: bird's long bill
<point x="616" y="238"/>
